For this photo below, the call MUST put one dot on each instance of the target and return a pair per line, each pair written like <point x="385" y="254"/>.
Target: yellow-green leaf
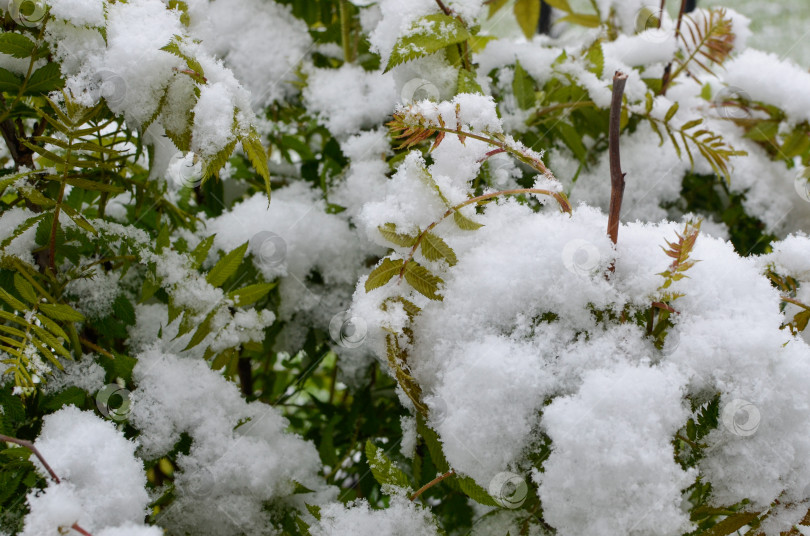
<point x="423" y="281"/>
<point x="62" y="312"/>
<point x="427" y="35"/>
<point x="527" y="13"/>
<point x="434" y="248"/>
<point x="464" y="222"/>
<point x="251" y="293"/>
<point x="383" y="273"/>
<point x="226" y="266"/>
<point x="383" y="469"/>
<point x="389" y="232"/>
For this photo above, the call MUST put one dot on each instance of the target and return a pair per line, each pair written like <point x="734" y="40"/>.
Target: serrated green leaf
<point x="212" y="165"/>
<point x="202" y="331"/>
<point x="226" y="266"/>
<point x="25" y="289"/>
<point x="422" y="280"/>
<point x="16" y="45"/>
<point x="383" y="273"/>
<point x="45" y="79"/>
<point x="52" y="326"/>
<point x="383" y="469"/>
<point x="200" y="253"/>
<point x="495" y="6"/>
<point x="252" y="145"/>
<point x="527" y="13"/>
<point x="314" y="510"/>
<point x="475" y="492"/>
<point x="78" y="219"/>
<point x="465" y="223"/>
<point x="251" y="293"/>
<point x="12" y="302"/>
<point x="435" y="248"/>
<point x="61" y="312"/>
<point x="9" y="82"/>
<point x="467" y="83"/>
<point x="427" y="35"/>
<point x="389" y="232"/>
<point x="523" y="88"/>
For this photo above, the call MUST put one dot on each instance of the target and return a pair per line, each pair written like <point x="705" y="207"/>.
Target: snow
<point x="349" y="98"/>
<point x="78" y="12"/>
<point x="755" y="73"/>
<point x="98" y="491"/>
<point x="240" y="457"/>
<point x="401" y="518"/>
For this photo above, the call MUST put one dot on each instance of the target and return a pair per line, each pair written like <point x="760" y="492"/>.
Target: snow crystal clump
<point x="105" y="489"/>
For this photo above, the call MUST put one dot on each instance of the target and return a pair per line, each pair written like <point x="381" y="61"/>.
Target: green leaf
<point x="464" y="222"/>
<point x="475" y="492"/>
<point x="422" y="280"/>
<point x="495" y="6"/>
<point x="581" y="19"/>
<point x="383" y="273"/>
<point x="16" y="45"/>
<point x="562" y="5"/>
<point x="12" y="302"/>
<point x="252" y="145"/>
<point x="389" y="232"/>
<point x="25" y="289"/>
<point x="226" y="266"/>
<point x="596" y="57"/>
<point x="9" y="82"/>
<point x="383" y="469"/>
<point x="527" y="13"/>
<point x="671" y="112"/>
<point x="523" y="86"/>
<point x="45" y="79"/>
<point x="62" y="312"/>
<point x="202" y="331"/>
<point x="200" y="253"/>
<point x="427" y="35"/>
<point x="251" y="293"/>
<point x="467" y="83"/>
<point x="434" y="248"/>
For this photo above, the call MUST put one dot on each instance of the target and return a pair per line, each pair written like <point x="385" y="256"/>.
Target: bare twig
<point x="616" y="174"/>
<point x="667" y="71"/>
<point x="444" y="8"/>
<point x="432" y="483"/>
<point x="661" y="13"/>
<point x="30" y="446"/>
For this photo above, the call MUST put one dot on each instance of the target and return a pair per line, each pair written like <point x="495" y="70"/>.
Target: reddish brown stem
<point x="432" y="483"/>
<point x="661" y="13"/>
<point x="444" y="8"/>
<point x="616" y="174"/>
<point x="30" y="446"/>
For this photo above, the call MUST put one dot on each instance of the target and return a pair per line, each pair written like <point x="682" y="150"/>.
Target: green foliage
<point x="426" y="36"/>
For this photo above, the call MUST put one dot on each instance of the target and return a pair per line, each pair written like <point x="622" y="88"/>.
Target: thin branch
<point x="616" y="174"/>
<point x="96" y="348"/>
<point x="444" y="8"/>
<point x="30" y="446"/>
<point x="346" y="31"/>
<point x="432" y="483"/>
<point x="661" y="13"/>
<point x="667" y="78"/>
